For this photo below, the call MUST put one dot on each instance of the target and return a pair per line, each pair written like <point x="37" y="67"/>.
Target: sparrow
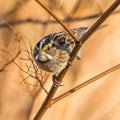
<point x="52" y="52"/>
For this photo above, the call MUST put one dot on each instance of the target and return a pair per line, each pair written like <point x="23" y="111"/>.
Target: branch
<point x="32" y="69"/>
<point x="58" y="20"/>
<point x="85" y="84"/>
<point x="8" y="63"/>
<point x="36" y="21"/>
<point x="53" y="89"/>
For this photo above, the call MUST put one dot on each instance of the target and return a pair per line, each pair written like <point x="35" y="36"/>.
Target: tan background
<point x="97" y="101"/>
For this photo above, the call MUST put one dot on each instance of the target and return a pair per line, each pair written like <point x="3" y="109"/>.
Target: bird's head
<point x="42" y="48"/>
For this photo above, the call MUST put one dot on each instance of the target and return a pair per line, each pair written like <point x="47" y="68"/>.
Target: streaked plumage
<point x="52" y="52"/>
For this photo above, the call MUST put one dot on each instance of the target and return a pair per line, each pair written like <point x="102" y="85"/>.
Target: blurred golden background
<point x="22" y="21"/>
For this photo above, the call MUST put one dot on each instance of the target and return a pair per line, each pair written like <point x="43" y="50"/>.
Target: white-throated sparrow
<point x="52" y="52"/>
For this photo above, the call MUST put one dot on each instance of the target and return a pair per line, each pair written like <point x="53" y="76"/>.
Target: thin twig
<point x="32" y="76"/>
<point x="53" y="89"/>
<point x="8" y="63"/>
<point x="32" y="69"/>
<point x="58" y="20"/>
<point x="95" y="78"/>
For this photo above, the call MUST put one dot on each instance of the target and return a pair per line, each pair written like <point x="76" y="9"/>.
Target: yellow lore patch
<point x="45" y="47"/>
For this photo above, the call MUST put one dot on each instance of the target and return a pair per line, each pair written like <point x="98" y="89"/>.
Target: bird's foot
<point x="56" y="83"/>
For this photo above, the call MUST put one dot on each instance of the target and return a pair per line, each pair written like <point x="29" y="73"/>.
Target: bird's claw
<point x="56" y="83"/>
